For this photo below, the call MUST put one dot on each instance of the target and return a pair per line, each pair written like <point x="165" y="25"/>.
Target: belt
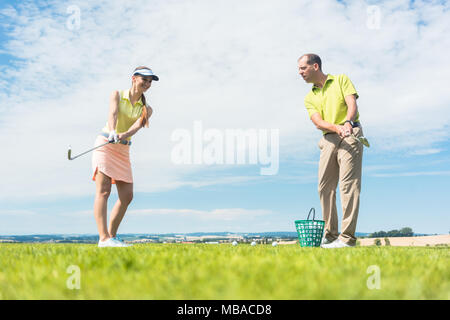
<point x="125" y="142"/>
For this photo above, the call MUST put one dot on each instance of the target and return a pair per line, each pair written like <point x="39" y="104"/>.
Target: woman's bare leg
<point x="103" y="190"/>
<point x="125" y="191"/>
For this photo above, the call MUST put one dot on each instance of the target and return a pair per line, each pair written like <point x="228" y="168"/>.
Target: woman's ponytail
<point x="144" y="115"/>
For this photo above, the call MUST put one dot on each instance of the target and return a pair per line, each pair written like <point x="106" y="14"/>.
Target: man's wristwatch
<point x="349" y="121"/>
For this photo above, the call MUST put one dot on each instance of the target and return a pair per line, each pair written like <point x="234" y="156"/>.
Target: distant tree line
<point x="404" y="232"/>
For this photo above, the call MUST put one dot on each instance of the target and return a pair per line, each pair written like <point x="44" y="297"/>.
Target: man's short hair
<point x="312" y="58"/>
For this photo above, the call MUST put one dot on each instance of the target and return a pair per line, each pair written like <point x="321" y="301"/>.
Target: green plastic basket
<point x="310" y="232"/>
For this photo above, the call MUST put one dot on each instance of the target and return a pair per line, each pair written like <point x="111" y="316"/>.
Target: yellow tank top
<point x="128" y="114"/>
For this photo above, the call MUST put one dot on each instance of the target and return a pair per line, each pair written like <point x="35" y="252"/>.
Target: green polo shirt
<point x="128" y="114"/>
<point x="329" y="101"/>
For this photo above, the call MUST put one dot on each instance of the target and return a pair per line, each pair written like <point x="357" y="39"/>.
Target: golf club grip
<point x="314" y="213"/>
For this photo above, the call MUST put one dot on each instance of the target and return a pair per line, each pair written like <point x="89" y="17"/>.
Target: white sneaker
<point x="337" y="244"/>
<point x="112" y="242"/>
<point x="123" y="244"/>
<point x="106" y="243"/>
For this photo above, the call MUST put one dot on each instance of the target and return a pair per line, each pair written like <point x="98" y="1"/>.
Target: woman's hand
<point x="121" y="136"/>
<point x="113" y="136"/>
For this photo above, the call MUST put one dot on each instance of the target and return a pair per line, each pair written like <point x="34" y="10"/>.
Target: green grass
<point x="202" y="271"/>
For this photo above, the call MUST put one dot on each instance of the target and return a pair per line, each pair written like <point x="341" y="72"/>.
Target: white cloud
<point x="150" y="220"/>
<point x="226" y="214"/>
<point x="428" y="151"/>
<point x="17" y="213"/>
<point x="411" y="174"/>
<point x="231" y="64"/>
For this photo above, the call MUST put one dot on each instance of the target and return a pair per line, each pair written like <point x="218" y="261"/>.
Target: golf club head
<point x="363" y="140"/>
<point x="69" y="152"/>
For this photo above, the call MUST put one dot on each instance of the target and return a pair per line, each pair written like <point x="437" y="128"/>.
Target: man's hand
<point x="348" y="129"/>
<point x="345" y="130"/>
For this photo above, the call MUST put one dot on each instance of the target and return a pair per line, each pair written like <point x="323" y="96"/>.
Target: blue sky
<point x="231" y="66"/>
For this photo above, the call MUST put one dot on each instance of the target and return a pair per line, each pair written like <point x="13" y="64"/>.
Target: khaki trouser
<point x="340" y="161"/>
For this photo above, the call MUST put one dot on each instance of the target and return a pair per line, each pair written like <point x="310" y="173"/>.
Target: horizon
<point x="187" y="233"/>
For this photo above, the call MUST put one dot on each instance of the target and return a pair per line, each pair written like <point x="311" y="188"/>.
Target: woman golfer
<point x="128" y="112"/>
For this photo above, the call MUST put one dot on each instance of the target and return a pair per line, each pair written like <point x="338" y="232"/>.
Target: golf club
<point x="362" y="139"/>
<point x="69" y="152"/>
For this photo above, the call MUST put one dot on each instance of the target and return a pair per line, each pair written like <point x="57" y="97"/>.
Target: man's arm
<point x="350" y="100"/>
<point x="321" y="124"/>
<point x="352" y="110"/>
<point x="324" y="125"/>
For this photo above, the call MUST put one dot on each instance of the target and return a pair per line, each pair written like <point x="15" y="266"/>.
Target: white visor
<point x="146" y="73"/>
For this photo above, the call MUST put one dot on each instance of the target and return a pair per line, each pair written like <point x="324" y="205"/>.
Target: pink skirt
<point x="112" y="160"/>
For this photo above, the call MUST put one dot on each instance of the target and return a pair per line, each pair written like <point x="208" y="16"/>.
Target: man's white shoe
<point x="337" y="244"/>
<point x="325" y="241"/>
<point x="112" y="242"/>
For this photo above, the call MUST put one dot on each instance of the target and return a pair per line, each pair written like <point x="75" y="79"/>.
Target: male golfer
<point x="331" y="105"/>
